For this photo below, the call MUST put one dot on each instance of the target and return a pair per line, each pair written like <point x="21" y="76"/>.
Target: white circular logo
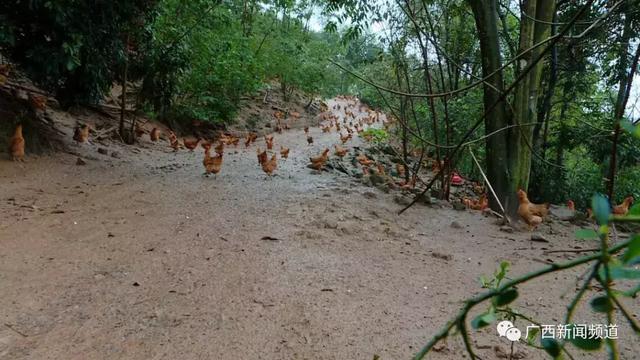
<point x="514" y="334"/>
<point x="503" y="326"/>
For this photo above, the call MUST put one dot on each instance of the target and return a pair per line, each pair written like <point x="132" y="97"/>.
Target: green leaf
<point x="632" y="255"/>
<point x="601" y="209"/>
<point x="551" y="346"/>
<point x="587" y="344"/>
<point x="634" y="210"/>
<point x="532" y="335"/>
<point x="622" y="272"/>
<point x="586" y="234"/>
<point x="506" y="297"/>
<point x="632" y="293"/>
<point x="504" y="267"/>
<point x="483" y="320"/>
<point x="633" y="129"/>
<point x="601" y="304"/>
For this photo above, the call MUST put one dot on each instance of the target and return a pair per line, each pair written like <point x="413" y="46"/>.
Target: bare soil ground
<point x="141" y="257"/>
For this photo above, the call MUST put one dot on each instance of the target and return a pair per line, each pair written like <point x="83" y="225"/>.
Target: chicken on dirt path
<point x="142" y="257"/>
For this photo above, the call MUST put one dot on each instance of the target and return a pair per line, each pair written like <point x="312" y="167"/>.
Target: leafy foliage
<point x="73" y="48"/>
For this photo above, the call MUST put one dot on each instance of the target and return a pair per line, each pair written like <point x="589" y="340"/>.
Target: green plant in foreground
<point x="608" y="264"/>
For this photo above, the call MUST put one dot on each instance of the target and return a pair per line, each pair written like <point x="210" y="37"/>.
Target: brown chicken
<point x="317" y="165"/>
<point x="363" y="160"/>
<point x="319" y="161"/>
<point x="527" y="212"/>
<point x="541" y="210"/>
<point x="219" y="149"/>
<point x="154" y="135"/>
<point x="206" y="144"/>
<point x="191" y="144"/>
<point x="400" y="170"/>
<point x="269" y="141"/>
<point x="324" y="156"/>
<point x="284" y="152"/>
<point x="81" y="133"/>
<point x="309" y="140"/>
<point x="5" y="69"/>
<point x="212" y="165"/>
<point x="437" y="166"/>
<point x="479" y="204"/>
<point x="250" y="139"/>
<point x="229" y="139"/>
<point x="173" y="140"/>
<point x="16" y="145"/>
<point x="262" y="156"/>
<point x="270" y="166"/>
<point x="478" y="188"/>
<point x="345" y="138"/>
<point x="139" y="130"/>
<point x="406" y="185"/>
<point x="175" y="144"/>
<point x="380" y="170"/>
<point x="340" y="151"/>
<point x="37" y="102"/>
<point x="623" y="208"/>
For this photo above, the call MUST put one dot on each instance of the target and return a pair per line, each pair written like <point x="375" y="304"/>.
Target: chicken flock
<point x="267" y="155"/>
<point x="532" y="214"/>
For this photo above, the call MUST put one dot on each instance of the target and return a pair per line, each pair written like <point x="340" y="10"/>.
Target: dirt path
<point x="141" y="257"/>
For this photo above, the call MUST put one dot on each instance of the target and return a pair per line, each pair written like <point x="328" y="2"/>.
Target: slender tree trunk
<point x="542" y="122"/>
<point x="497" y="147"/>
<point x="545" y="111"/>
<point x="626" y="81"/>
<point x="123" y="106"/>
<point x="525" y="112"/>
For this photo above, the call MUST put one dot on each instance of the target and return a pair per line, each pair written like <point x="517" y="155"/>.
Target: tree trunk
<point x="508" y="153"/>
<point x="526" y="100"/>
<point x="124" y="90"/>
<point x="497" y="146"/>
<point x="626" y="80"/>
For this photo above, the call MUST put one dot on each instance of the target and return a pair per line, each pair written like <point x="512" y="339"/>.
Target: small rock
<point x="115" y="155"/>
<point x="438" y="255"/>
<point x="370" y="195"/>
<point x="425" y="199"/>
<point x="538" y="238"/>
<point x="459" y="206"/>
<point x="456" y="225"/>
<point x="80" y="162"/>
<point x="103" y="151"/>
<point x="110" y="235"/>
<point x="384" y="187"/>
<point x="402" y="200"/>
<point x="98" y="276"/>
<point x="506" y="228"/>
<point x="330" y="224"/>
<point x="500" y="352"/>
<point x="377" y="179"/>
<point x="348" y="230"/>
